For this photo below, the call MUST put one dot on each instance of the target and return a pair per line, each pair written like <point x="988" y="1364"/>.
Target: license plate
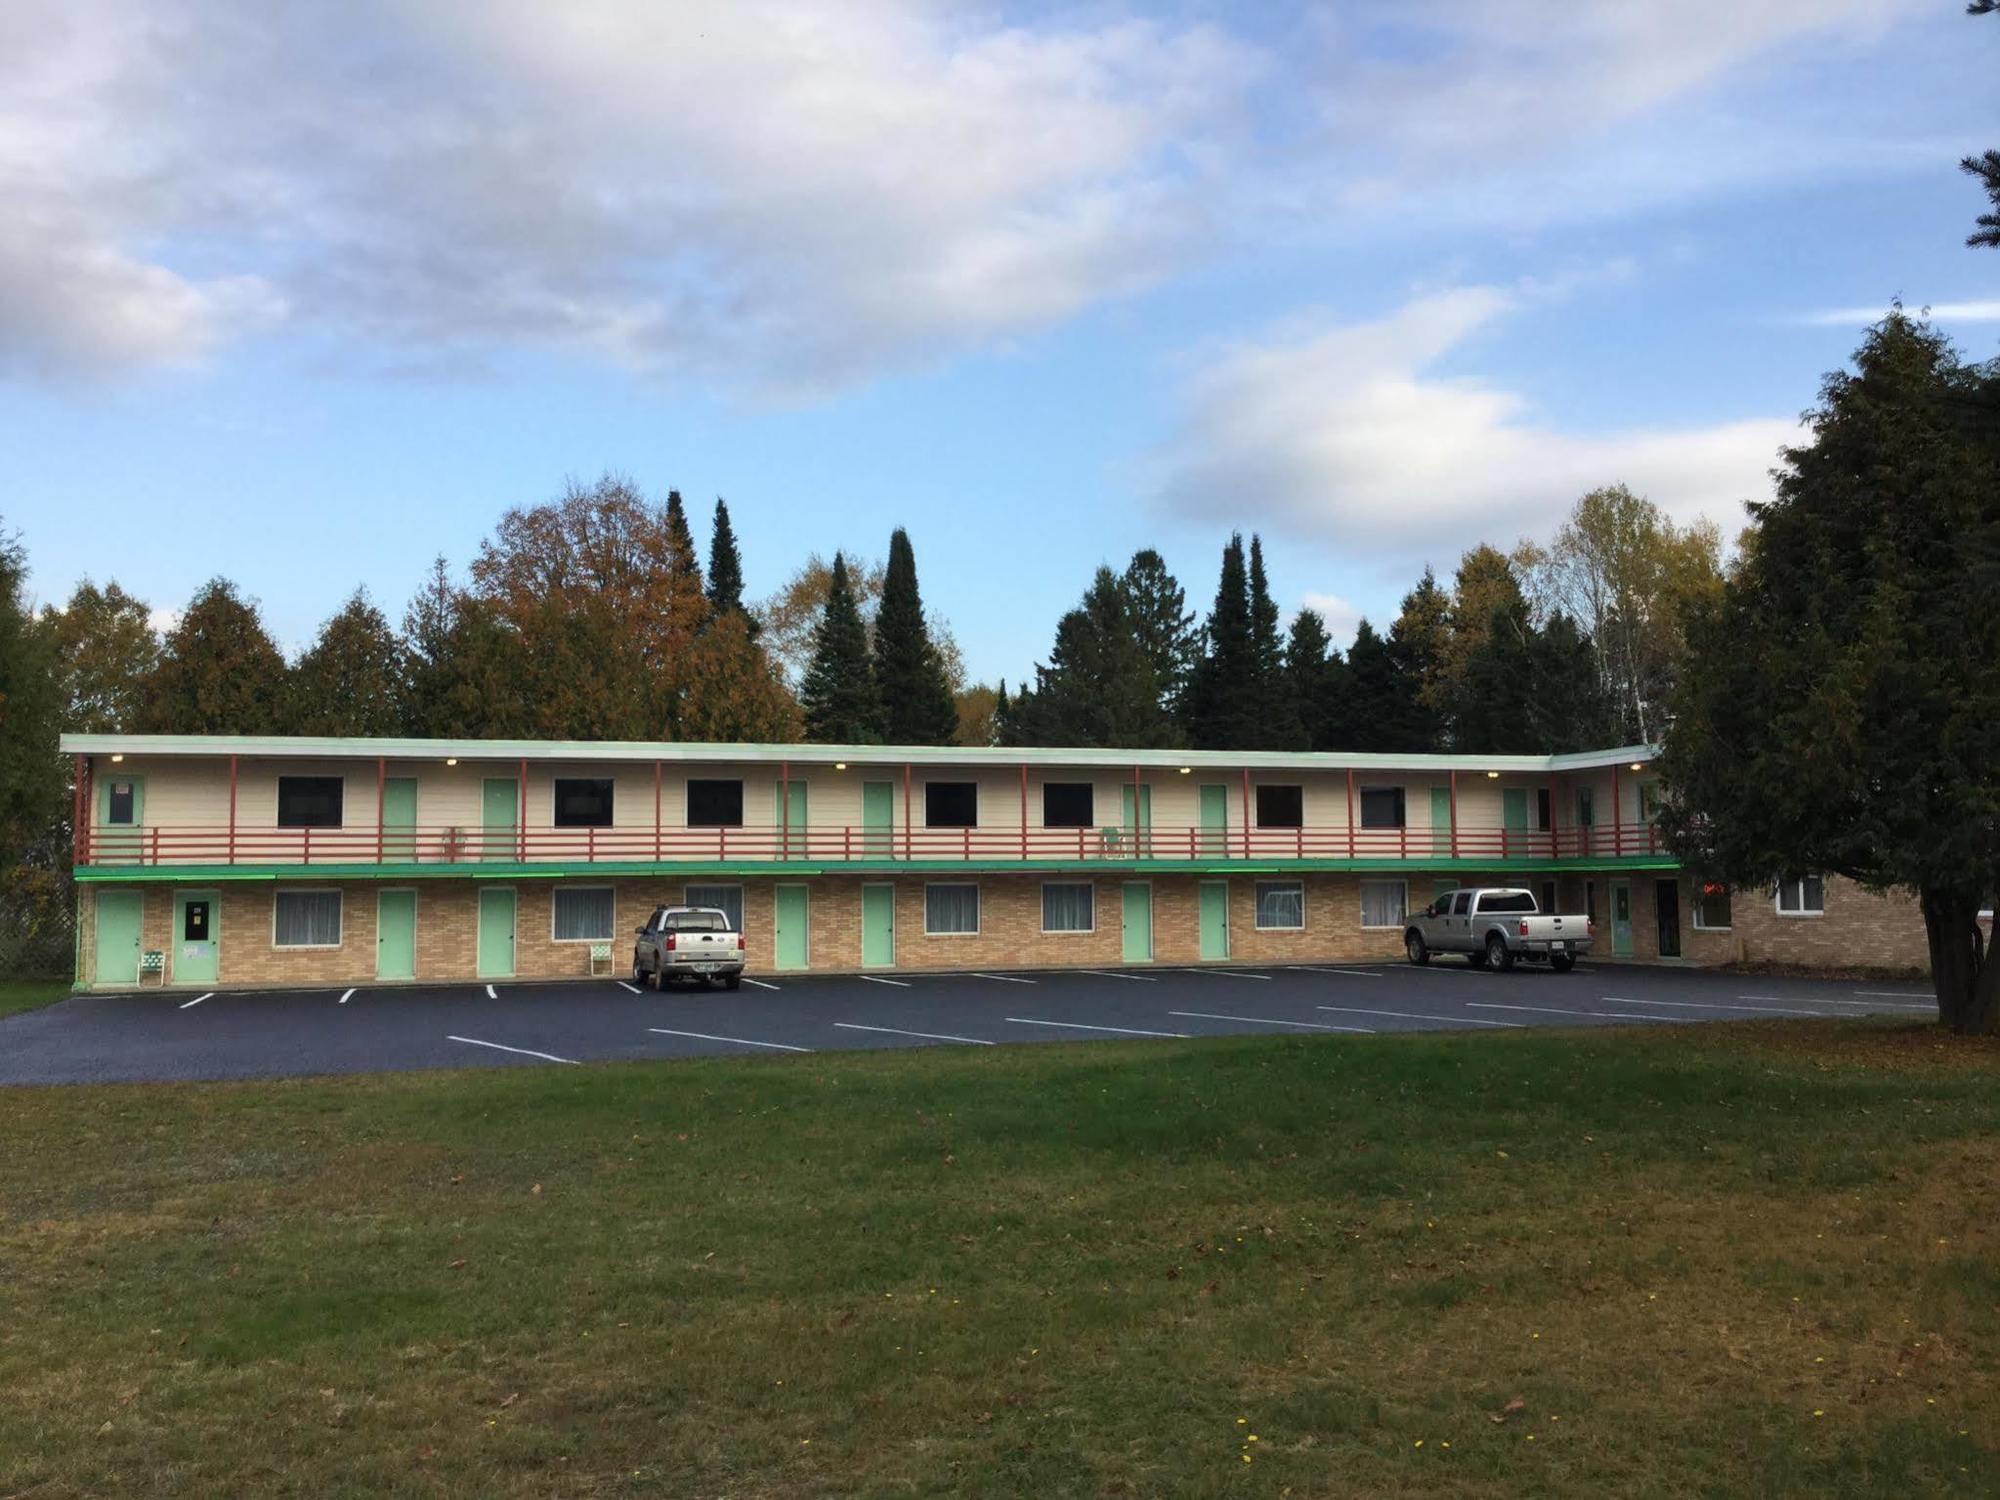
<point x="1558" y="947"/>
<point x="708" y="968"/>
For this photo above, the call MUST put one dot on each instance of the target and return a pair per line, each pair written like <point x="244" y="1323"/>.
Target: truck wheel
<point x="733" y="982"/>
<point x="657" y="980"/>
<point x="1562" y="963"/>
<point x="1497" y="954"/>
<point x="638" y="974"/>
<point x="1413" y="944"/>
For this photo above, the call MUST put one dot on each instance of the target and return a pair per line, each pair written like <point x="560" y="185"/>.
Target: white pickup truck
<point x="688" y="942"/>
<point x="1495" y="925"/>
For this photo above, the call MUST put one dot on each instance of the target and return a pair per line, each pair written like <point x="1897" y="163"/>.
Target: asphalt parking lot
<point x="157" y="1034"/>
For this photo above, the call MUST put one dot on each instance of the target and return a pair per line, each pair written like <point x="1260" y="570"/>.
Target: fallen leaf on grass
<point x="510" y="1400"/>
<point x="459" y="1264"/>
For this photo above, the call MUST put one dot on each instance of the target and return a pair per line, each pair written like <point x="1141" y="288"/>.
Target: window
<point x="1069" y="906"/>
<point x="1521" y="903"/>
<point x="1545" y="810"/>
<point x="583" y="802"/>
<point x="1711" y="907"/>
<point x="1802" y="896"/>
<point x="1461" y="903"/>
<point x="305" y="919"/>
<point x="1649" y="801"/>
<point x="1281" y="906"/>
<point x="1586" y="807"/>
<point x="692" y="921"/>
<point x="715" y="803"/>
<point x="309" y="801"/>
<point x="1068" y="804"/>
<point x="951" y="804"/>
<point x="1382" y="807"/>
<point x="950" y="910"/>
<point x="1590" y="900"/>
<point x="1384" y="902"/>
<point x="582" y="914"/>
<point x="727" y="898"/>
<point x="1281" y="807"/>
<point x="121" y="805"/>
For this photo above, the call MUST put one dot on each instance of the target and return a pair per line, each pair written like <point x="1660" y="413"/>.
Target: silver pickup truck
<point x="1493" y="926"/>
<point x="688" y="942"/>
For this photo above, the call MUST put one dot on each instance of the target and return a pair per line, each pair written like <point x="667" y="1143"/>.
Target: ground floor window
<point x="950" y="910"/>
<point x="1802" y="896"/>
<point x="1711" y="907"/>
<point x="727" y="898"/>
<point x="1069" y="906"/>
<point x="305" y="919"/>
<point x="1384" y="902"/>
<point x="1281" y="906"/>
<point x="583" y="913"/>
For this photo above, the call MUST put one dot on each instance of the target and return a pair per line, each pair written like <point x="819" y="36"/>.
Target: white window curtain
<point x="1802" y="896"/>
<point x="951" y="908"/>
<point x="1068" y="908"/>
<point x="307" y="919"/>
<point x="1281" y="904"/>
<point x="1383" y="903"/>
<point x="727" y="898"/>
<point x="583" y="913"/>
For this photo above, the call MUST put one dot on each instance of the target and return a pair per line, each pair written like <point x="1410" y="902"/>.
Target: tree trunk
<point x="1968" y="986"/>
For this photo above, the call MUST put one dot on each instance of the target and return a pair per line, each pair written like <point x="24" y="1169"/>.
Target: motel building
<point x="261" y="862"/>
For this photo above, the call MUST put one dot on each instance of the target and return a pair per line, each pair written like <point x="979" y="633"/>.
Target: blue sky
<point x="309" y="295"/>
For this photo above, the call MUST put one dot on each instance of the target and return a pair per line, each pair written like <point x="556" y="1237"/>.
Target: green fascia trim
<point x="208" y="874"/>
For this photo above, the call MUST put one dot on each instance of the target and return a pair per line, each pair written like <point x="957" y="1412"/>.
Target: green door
<point x="1215" y="819"/>
<point x="1138" y="920"/>
<point x="1516" y="820"/>
<point x="1138" y="822"/>
<point x="500" y="807"/>
<point x="791" y="923"/>
<point x="396" y="935"/>
<point x="399" y="819"/>
<point x="1441" y="820"/>
<point x="1215" y="919"/>
<point x="1621" y="919"/>
<point x="496" y="932"/>
<point x="878" y="926"/>
<point x="196" y="957"/>
<point x="878" y="818"/>
<point x="121" y="821"/>
<point x="794" y="824"/>
<point x="118" y="923"/>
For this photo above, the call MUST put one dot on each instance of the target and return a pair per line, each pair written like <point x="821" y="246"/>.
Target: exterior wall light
<point x="1637" y="766"/>
<point x="451" y="760"/>
<point x="1187" y="770"/>
<point x="840" y="765"/>
<point x="118" y="757"/>
<point x="1492" y="775"/>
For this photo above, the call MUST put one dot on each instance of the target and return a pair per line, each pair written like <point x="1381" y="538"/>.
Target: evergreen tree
<point x="1098" y="688"/>
<point x="1985" y="168"/>
<point x="1278" y="726"/>
<point x="219" y="671"/>
<point x="1381" y="712"/>
<point x="1003" y="717"/>
<point x="1156" y="604"/>
<point x="917" y="703"/>
<point x="352" y="680"/>
<point x="1421" y="638"/>
<point x="31" y="778"/>
<point x="1223" y="712"/>
<point x="683" y="562"/>
<point x="105" y="648"/>
<point x="1318" y="682"/>
<point x="842" y="706"/>
<point x="725" y="569"/>
<point x="462" y="672"/>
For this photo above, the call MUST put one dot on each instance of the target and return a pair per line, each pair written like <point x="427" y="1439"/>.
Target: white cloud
<point x="1341" y="615"/>
<point x="1344" y="434"/>
<point x="1941" y="312"/>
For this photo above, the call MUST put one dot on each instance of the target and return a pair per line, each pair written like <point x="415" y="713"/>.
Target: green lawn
<point x="27" y="994"/>
<point x="1746" y="1260"/>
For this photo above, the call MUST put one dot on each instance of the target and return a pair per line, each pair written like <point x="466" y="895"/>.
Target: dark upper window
<point x="1281" y="807"/>
<point x="309" y="801"/>
<point x="951" y="804"/>
<point x="1382" y="807"/>
<point x="1068" y="804"/>
<point x="715" y="803"/>
<point x="1544" y="809"/>
<point x="583" y="802"/>
<point x="122" y="803"/>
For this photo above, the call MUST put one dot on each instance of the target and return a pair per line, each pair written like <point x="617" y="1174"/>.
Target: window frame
<point x="1257" y="921"/>
<point x="563" y="886"/>
<point x="687" y="800"/>
<point x="689" y="888"/>
<point x="1089" y="886"/>
<point x="278" y="803"/>
<point x="610" y="785"/>
<point x="340" y="916"/>
<point x="1257" y="803"/>
<point x="1804" y="912"/>
<point x="930" y="786"/>
<point x="1089" y="790"/>
<point x="1402" y="796"/>
<point x="1694" y="915"/>
<point x="978" y="912"/>
<point x="1361" y="903"/>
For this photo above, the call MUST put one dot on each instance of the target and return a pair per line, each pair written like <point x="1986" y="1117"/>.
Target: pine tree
<point x="353" y="679"/>
<point x="1156" y="604"/>
<point x="1380" y="692"/>
<point x="1223" y="713"/>
<point x="1315" y="671"/>
<point x="917" y="703"/>
<point x="1098" y="688"/>
<point x="31" y="779"/>
<point x="841" y="704"/>
<point x="683" y="562"/>
<point x="1278" y="707"/>
<point x="219" y="672"/>
<point x="1422" y="641"/>
<point x="725" y="569"/>
<point x="462" y="674"/>
<point x="106" y="648"/>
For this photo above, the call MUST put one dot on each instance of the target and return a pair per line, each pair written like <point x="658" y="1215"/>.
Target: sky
<point x="308" y="295"/>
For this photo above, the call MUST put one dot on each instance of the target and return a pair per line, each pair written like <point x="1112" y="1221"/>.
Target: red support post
<point x="1247" y="817"/>
<point x="521" y="828"/>
<point x="1617" y="814"/>
<point x="1454" y="812"/>
<point x="1138" y="815"/>
<point x="381" y="792"/>
<point x="1555" y="817"/>
<point x="1350" y="812"/>
<point x="656" y="812"/>
<point x="906" y="809"/>
<point x="79" y="824"/>
<point x="785" y="809"/>
<point x="1024" y="809"/>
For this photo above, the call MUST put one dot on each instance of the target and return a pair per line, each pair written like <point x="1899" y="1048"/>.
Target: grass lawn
<point x="27" y="994"/>
<point x="1758" y="1259"/>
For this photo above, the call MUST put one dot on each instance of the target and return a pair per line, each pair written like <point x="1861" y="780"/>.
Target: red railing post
<point x="847" y="841"/>
<point x="1350" y="812"/>
<point x="1454" y="812"/>
<point x="906" y="810"/>
<point x="79" y="824"/>
<point x="1247" y="816"/>
<point x="590" y="845"/>
<point x="308" y="847"/>
<point x="656" y="812"/>
<point x="381" y="791"/>
<point x="1617" y="814"/>
<point x="785" y="809"/>
<point x="521" y="830"/>
<point x="232" y="809"/>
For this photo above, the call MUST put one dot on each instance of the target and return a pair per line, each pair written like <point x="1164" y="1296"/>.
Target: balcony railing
<point x="171" y="845"/>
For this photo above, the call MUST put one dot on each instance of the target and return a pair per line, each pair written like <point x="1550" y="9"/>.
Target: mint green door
<point x="1214" y="819"/>
<point x="1137" y="921"/>
<point x="1138" y="822"/>
<point x="878" y="926"/>
<point x="118" y="924"/>
<point x="791" y="927"/>
<point x="1441" y="820"/>
<point x="1621" y="919"/>
<point x="496" y="933"/>
<point x="793" y="824"/>
<point x="878" y="818"/>
<point x="121" y="821"/>
<point x="196" y="955"/>
<point x="1215" y="919"/>
<point x="1515" y="820"/>
<point x="499" y="808"/>
<point x="399" y="819"/>
<point x="396" y="935"/>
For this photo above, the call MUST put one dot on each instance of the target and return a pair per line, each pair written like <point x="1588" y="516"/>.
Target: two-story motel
<point x="218" y="861"/>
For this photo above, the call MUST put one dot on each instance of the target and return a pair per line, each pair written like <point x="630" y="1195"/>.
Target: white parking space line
<point x="1550" y="1010"/>
<point x="1079" y="1026"/>
<point x="1355" y="973"/>
<point x="1829" y="1000"/>
<point x="347" y="997"/>
<point x="1114" y="974"/>
<point x="1004" y="978"/>
<point x="1898" y="995"/>
<point x="198" y="999"/>
<point x="473" y="1041"/>
<point x="901" y="984"/>
<point x="489" y="994"/>
<point x="1206" y="1015"/>
<point x="632" y="987"/>
<point x="929" y="1036"/>
<point x="1410" y="1015"/>
<point x="740" y="1041"/>
<point x="760" y="983"/>
<point x="1760" y="1010"/>
<point x="1224" y="973"/>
